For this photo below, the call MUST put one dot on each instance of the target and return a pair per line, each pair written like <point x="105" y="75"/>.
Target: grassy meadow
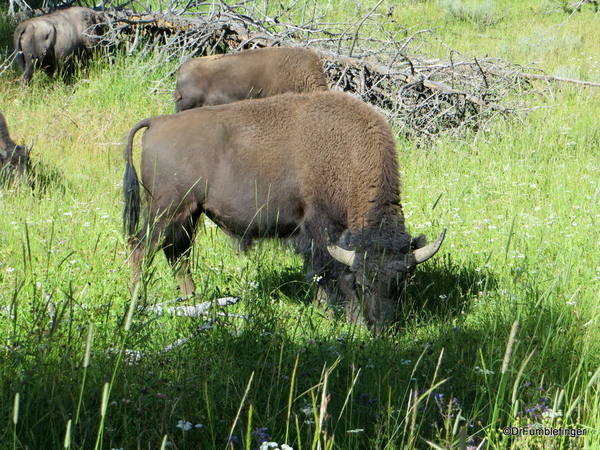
<point x="500" y="329"/>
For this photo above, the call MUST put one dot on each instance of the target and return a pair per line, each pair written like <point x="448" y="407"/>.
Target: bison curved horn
<point x="424" y="253"/>
<point x="341" y="255"/>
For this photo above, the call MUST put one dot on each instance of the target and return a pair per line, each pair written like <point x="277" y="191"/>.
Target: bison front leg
<point x="143" y="246"/>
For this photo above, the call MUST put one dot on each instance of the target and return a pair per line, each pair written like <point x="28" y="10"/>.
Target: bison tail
<point x="131" y="185"/>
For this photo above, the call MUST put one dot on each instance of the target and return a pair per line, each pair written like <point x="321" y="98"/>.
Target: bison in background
<point x="14" y="159"/>
<point x="319" y="166"/>
<point x="49" y="40"/>
<point x="220" y="79"/>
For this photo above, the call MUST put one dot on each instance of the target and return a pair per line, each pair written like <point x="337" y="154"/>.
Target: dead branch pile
<point x="423" y="97"/>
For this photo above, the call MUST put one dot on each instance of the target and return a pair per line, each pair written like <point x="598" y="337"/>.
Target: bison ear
<point x="424" y="253"/>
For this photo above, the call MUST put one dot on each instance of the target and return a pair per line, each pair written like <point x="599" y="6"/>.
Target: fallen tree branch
<point x="191" y="310"/>
<point x="531" y="76"/>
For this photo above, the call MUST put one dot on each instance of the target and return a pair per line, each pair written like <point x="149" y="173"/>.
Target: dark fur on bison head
<point x="14" y="159"/>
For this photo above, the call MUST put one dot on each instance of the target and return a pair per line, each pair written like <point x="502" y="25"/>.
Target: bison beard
<point x="319" y="166"/>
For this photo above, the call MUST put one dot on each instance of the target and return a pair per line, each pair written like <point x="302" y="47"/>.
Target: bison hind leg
<point x="136" y="262"/>
<point x="179" y="239"/>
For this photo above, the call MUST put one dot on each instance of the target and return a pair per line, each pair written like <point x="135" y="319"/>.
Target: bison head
<point x="380" y="263"/>
<point x="13" y="161"/>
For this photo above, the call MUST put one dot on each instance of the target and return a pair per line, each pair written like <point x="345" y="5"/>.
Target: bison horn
<point x="424" y="253"/>
<point x="341" y="255"/>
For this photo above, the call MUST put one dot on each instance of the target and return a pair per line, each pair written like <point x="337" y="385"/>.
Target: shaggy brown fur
<point x="317" y="166"/>
<point x="14" y="159"/>
<point x="220" y="79"/>
<point x="49" y="40"/>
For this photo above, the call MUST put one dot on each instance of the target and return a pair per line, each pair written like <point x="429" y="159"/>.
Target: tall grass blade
<point x="291" y="398"/>
<point x="237" y="416"/>
<point x="86" y="363"/>
<point x="103" y="407"/>
<point x="67" y="441"/>
<point x="15" y="413"/>
<point x="509" y="346"/>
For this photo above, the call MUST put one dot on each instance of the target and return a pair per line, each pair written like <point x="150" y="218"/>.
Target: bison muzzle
<point x="321" y="167"/>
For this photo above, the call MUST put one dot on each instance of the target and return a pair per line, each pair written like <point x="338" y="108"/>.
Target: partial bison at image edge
<point x="48" y="40"/>
<point x="14" y="159"/>
<point x="321" y="167"/>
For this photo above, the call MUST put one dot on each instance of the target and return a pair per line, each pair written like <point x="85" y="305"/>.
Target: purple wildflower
<point x="261" y="435"/>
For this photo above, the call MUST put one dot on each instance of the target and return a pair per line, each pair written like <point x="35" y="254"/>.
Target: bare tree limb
<point x="531" y="76"/>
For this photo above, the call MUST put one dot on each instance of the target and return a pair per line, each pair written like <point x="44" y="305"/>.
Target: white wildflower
<point x="185" y="426"/>
<point x="307" y="410"/>
<point x="478" y="369"/>
<point x="268" y="445"/>
<point x="551" y="414"/>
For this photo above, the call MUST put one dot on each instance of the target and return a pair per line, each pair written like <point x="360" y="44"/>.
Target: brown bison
<point x="220" y="79"/>
<point x="14" y="159"/>
<point x="320" y="166"/>
<point x="51" y="39"/>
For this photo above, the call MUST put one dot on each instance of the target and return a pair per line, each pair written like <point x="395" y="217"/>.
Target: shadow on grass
<point x="44" y="178"/>
<point x="441" y="290"/>
<point x="268" y="373"/>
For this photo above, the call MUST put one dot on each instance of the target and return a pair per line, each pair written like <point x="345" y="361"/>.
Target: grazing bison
<point x="14" y="159"/>
<point x="320" y="166"/>
<point x="220" y="79"/>
<point x="49" y="40"/>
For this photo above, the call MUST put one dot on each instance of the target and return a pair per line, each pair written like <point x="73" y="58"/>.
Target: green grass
<point x="520" y="202"/>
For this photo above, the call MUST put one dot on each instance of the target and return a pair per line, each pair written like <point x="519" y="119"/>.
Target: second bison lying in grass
<point x="322" y="167"/>
<point x="220" y="79"/>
